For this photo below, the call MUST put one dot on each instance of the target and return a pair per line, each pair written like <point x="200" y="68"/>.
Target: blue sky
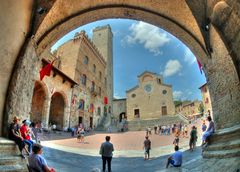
<point x="139" y="46"/>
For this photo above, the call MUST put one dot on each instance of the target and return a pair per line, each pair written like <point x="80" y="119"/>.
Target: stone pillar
<point x="20" y="90"/>
<point x="223" y="84"/>
<point x="46" y="108"/>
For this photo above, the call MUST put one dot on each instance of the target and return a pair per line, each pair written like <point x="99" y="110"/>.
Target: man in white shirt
<point x="175" y="159"/>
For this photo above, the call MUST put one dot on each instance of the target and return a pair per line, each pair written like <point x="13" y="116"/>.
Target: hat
<point x="27" y="122"/>
<point x="15" y="118"/>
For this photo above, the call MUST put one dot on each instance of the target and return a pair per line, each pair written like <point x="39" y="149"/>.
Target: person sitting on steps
<point x="175" y="159"/>
<point x="208" y="133"/>
<point x="14" y="134"/>
<point x="37" y="162"/>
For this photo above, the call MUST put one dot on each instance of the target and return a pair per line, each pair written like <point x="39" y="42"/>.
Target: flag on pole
<point x="46" y="70"/>
<point x="199" y="65"/>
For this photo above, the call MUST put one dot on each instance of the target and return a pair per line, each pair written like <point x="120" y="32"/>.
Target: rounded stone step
<point x="11" y="160"/>
<point x="15" y="168"/>
<point x="222" y="153"/>
<point x="228" y="145"/>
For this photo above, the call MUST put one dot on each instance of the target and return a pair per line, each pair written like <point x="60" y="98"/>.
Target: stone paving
<point x="192" y="162"/>
<point x="65" y="154"/>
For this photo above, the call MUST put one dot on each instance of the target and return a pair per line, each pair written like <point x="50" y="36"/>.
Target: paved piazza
<point x="67" y="154"/>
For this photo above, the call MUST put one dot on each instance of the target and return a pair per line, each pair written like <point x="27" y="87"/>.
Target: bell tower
<point x="102" y="39"/>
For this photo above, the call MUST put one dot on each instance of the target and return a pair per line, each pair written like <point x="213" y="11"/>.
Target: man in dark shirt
<point x="14" y="134"/>
<point x="147" y="147"/>
<point x="106" y="152"/>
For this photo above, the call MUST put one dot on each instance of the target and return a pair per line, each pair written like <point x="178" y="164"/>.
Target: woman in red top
<point x="25" y="135"/>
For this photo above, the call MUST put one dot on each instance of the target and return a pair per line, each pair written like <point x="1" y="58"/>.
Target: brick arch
<point x="39" y="102"/>
<point x="57" y="113"/>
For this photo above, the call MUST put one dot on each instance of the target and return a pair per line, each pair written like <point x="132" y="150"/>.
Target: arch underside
<point x="188" y="34"/>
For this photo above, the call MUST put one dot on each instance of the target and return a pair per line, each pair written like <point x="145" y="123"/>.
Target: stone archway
<point x="215" y="43"/>
<point x="205" y="44"/>
<point x="57" y="109"/>
<point x="39" y="102"/>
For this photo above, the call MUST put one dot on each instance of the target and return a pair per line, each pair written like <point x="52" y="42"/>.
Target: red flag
<point x="105" y="100"/>
<point x="199" y="65"/>
<point x="46" y="70"/>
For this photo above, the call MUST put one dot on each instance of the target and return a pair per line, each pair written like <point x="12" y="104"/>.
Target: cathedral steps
<point x="224" y="143"/>
<point x="10" y="161"/>
<point x="137" y="124"/>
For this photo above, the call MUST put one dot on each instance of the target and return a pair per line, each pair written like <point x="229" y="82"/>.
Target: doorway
<point x="164" y="110"/>
<point x="91" y="122"/>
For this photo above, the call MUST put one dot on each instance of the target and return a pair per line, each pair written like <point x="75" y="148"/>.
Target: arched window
<point x="99" y="91"/>
<point x="94" y="68"/>
<point x="85" y="60"/>
<point x="99" y="111"/>
<point x="93" y="86"/>
<point x="100" y="75"/>
<point x="81" y="104"/>
<point x="105" y="82"/>
<point x="84" y="79"/>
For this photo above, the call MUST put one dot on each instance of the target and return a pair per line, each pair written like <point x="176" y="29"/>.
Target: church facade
<point x="150" y="99"/>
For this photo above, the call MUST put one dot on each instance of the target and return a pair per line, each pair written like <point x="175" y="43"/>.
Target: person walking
<point x="147" y="147"/>
<point x="106" y="150"/>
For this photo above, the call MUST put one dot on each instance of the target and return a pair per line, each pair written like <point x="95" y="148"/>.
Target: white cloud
<point x="189" y="57"/>
<point x="172" y="67"/>
<point x="177" y="95"/>
<point x="151" y="36"/>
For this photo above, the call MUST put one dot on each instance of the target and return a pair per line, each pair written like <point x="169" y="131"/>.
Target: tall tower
<point x="102" y="38"/>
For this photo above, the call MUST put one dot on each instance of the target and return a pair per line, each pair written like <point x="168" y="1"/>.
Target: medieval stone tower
<point x="102" y="38"/>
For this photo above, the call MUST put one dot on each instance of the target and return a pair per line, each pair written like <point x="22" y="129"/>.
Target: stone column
<point x="223" y="84"/>
<point x="20" y="91"/>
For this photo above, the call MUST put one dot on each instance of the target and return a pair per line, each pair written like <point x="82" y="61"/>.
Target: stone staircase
<point x="224" y="143"/>
<point x="137" y="124"/>
<point x="104" y="123"/>
<point x="10" y="161"/>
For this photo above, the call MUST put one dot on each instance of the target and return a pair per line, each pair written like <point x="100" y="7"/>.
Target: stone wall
<point x="223" y="84"/>
<point x="21" y="87"/>
<point x="119" y="106"/>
